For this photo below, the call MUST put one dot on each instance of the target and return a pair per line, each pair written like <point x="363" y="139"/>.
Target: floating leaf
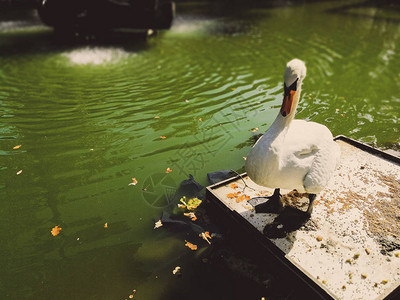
<point x="192" y="203"/>
<point x="163" y="137"/>
<point x="55" y="230"/>
<point x="168" y="170"/>
<point x="206" y="236"/>
<point x="134" y="181"/>
<point x="190" y="245"/>
<point x="19" y="172"/>
<point x="177" y="271"/>
<point x="191" y="215"/>
<point x="234" y="186"/>
<point x="158" y="224"/>
<point x="17" y="147"/>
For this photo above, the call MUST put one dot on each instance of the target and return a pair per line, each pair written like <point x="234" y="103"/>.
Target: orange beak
<point x="287" y="103"/>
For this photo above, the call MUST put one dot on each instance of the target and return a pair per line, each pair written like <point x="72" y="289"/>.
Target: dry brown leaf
<point x="17" y="147"/>
<point x="55" y="230"/>
<point x="190" y="245"/>
<point x="232" y="195"/>
<point x="242" y="197"/>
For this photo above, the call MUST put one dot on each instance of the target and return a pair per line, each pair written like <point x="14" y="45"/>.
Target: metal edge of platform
<point x="368" y="149"/>
<point x="277" y="254"/>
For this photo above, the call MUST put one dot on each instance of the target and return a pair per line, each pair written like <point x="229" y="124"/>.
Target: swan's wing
<point x="313" y="148"/>
<point x="304" y="139"/>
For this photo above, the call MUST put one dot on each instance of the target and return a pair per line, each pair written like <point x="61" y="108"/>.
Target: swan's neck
<point x="281" y="123"/>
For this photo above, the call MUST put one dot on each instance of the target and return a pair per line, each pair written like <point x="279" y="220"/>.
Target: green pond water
<point x="84" y="113"/>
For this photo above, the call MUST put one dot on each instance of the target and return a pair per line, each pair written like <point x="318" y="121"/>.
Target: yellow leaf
<point x="190" y="245"/>
<point x="156" y="117"/>
<point x="207" y="234"/>
<point x="234" y="186"/>
<point x="106" y="225"/>
<point x="19" y="172"/>
<point x="163" y="137"/>
<point x="55" y="230"/>
<point x="17" y="147"/>
<point x="168" y="170"/>
<point x="200" y="119"/>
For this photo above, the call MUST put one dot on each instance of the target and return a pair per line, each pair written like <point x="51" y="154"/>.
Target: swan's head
<point x="294" y="74"/>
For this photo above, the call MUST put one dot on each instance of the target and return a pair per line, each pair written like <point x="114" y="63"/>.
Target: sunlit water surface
<point x="90" y="117"/>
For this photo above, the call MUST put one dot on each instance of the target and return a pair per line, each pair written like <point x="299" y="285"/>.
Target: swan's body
<point x="293" y="154"/>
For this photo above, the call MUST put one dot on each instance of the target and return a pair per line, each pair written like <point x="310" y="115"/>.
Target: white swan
<point x="293" y="154"/>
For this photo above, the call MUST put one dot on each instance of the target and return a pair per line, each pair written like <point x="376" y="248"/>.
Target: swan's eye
<point x="292" y="87"/>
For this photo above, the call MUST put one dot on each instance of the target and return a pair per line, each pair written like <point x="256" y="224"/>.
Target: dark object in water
<point x="218" y="176"/>
<point x="190" y="187"/>
<point x="100" y="15"/>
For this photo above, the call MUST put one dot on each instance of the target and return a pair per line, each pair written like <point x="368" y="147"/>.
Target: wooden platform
<point x="350" y="248"/>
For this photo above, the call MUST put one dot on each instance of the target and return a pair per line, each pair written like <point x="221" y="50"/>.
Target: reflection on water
<point x="90" y="117"/>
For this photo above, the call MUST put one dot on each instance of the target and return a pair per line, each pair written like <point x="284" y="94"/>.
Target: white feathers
<point x="294" y="154"/>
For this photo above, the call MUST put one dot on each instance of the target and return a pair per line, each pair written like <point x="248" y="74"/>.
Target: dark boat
<point x="102" y="15"/>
